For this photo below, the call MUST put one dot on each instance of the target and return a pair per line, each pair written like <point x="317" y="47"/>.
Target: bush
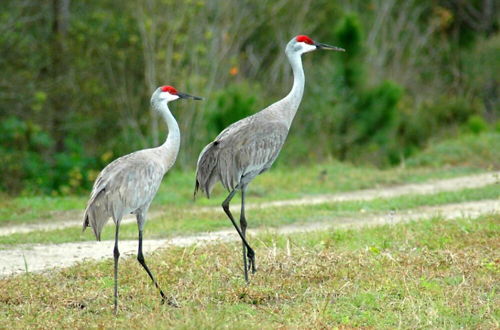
<point x="28" y="163"/>
<point x="367" y="116"/>
<point x="232" y="104"/>
<point x="476" y="124"/>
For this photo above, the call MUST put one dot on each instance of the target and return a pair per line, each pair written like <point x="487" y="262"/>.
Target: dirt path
<point x="430" y="187"/>
<point x="39" y="257"/>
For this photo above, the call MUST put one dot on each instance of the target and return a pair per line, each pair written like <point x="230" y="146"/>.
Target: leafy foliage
<point x="23" y="166"/>
<point x="367" y="119"/>
<point x="231" y="104"/>
<point x="70" y="93"/>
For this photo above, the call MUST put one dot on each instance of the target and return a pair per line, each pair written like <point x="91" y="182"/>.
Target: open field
<point x="278" y="184"/>
<point x="432" y="273"/>
<point x="179" y="220"/>
<point x="23" y="258"/>
<point x="427" y="263"/>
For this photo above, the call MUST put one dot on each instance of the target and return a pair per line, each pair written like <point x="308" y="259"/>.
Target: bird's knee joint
<point x="250" y="253"/>
<point x="243" y="224"/>
<point x="116" y="253"/>
<point x="140" y="258"/>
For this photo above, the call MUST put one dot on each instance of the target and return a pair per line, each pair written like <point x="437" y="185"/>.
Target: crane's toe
<point x="171" y="301"/>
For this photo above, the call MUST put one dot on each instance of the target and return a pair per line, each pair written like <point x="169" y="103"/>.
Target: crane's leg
<point x="250" y="251"/>
<point x="116" y="255"/>
<point x="140" y="257"/>
<point x="243" y="226"/>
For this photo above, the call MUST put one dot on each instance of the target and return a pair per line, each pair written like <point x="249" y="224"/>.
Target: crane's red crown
<point x="169" y="89"/>
<point x="306" y="39"/>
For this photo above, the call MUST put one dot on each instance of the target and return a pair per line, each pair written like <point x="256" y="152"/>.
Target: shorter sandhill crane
<point x="250" y="146"/>
<point x="128" y="184"/>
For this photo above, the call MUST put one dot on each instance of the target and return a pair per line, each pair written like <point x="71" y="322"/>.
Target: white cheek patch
<point x="307" y="48"/>
<point x="169" y="97"/>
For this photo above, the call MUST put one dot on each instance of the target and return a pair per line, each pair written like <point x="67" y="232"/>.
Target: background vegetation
<point x="77" y="78"/>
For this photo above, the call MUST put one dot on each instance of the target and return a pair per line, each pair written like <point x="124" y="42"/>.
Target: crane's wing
<point x="125" y="185"/>
<point x="243" y="150"/>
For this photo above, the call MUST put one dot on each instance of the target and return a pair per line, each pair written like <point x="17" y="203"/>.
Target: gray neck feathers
<point x="287" y="107"/>
<point x="170" y="148"/>
<point x="298" y="79"/>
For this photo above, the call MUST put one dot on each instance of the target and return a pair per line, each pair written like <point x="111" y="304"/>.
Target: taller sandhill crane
<point x="129" y="183"/>
<point x="250" y="146"/>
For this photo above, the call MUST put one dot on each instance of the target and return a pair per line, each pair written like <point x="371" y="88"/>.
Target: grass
<point x="473" y="150"/>
<point x="179" y="220"/>
<point x="426" y="274"/>
<point x="279" y="183"/>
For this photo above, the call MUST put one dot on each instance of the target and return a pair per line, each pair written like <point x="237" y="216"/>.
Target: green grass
<point x="278" y="183"/>
<point x="426" y="274"/>
<point x="27" y="209"/>
<point x="181" y="221"/>
<point x="474" y="150"/>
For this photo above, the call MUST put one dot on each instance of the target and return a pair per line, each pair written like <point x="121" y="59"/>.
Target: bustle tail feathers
<point x="206" y="170"/>
<point x="96" y="215"/>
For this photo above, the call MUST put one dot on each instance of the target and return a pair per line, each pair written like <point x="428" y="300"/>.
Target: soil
<point x="45" y="257"/>
<point x="74" y="219"/>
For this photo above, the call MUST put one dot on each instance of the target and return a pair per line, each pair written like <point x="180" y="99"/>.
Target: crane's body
<point x="250" y="146"/>
<point x="129" y="184"/>
<point x="257" y="146"/>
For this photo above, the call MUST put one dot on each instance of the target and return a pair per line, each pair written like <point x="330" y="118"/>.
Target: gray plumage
<point x="240" y="153"/>
<point x="129" y="184"/>
<point x="250" y="146"/>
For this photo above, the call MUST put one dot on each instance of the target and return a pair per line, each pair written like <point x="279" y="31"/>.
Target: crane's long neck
<point x="170" y="148"/>
<point x="291" y="102"/>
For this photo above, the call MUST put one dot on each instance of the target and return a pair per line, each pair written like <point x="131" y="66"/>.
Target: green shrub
<point x="231" y="104"/>
<point x="28" y="163"/>
<point x="367" y="117"/>
<point x="476" y="124"/>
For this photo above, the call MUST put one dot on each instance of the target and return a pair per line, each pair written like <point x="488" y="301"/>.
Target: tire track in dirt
<point x="430" y="187"/>
<point x="43" y="257"/>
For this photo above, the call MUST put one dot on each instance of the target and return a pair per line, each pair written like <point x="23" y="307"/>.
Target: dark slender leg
<point x="250" y="252"/>
<point x="116" y="255"/>
<point x="142" y="261"/>
<point x="243" y="226"/>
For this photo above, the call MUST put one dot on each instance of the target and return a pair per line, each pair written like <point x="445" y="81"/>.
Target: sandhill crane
<point x="249" y="146"/>
<point x="129" y="183"/>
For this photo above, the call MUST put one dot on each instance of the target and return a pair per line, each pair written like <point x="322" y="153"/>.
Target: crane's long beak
<point x="187" y="96"/>
<point x="319" y="45"/>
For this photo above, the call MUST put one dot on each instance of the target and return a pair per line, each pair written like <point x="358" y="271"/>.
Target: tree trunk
<point x="59" y="68"/>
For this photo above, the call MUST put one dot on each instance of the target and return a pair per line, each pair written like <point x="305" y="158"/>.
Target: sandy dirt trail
<point x="430" y="187"/>
<point x="39" y="257"/>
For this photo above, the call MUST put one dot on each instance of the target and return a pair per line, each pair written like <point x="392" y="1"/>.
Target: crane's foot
<point x="171" y="301"/>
